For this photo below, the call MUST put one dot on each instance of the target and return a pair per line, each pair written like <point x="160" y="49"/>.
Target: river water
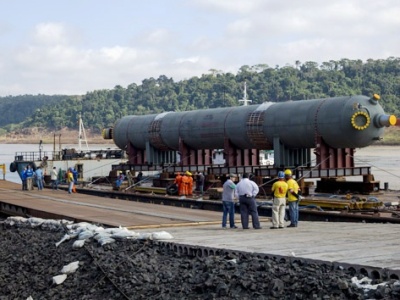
<point x="383" y="160"/>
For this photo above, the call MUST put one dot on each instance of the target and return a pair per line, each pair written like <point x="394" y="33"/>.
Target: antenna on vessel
<point x="82" y="131"/>
<point x="245" y="100"/>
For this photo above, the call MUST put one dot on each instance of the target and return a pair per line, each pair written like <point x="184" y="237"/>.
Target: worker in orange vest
<point x="190" y="184"/>
<point x="185" y="184"/>
<point x="178" y="182"/>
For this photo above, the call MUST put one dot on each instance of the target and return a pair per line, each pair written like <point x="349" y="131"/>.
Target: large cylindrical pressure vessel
<point x="342" y="122"/>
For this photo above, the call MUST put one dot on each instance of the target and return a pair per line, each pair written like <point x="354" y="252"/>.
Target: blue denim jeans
<point x="294" y="212"/>
<point x="228" y="208"/>
<point x="54" y="184"/>
<point x="39" y="183"/>
<point x="201" y="187"/>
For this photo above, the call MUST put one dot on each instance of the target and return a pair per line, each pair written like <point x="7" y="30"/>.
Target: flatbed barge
<point x="198" y="230"/>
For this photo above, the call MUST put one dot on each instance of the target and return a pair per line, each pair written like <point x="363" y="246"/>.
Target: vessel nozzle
<point x="386" y="120"/>
<point x="107" y="133"/>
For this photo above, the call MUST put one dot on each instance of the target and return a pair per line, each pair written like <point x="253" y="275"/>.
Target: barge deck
<point x="367" y="247"/>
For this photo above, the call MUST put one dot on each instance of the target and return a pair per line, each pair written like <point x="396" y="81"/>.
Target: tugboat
<point x="89" y="163"/>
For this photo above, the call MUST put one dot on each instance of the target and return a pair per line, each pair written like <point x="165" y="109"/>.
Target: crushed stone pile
<point x="41" y="262"/>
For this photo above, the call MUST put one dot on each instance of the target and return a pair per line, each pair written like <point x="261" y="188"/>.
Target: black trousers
<point x="248" y="207"/>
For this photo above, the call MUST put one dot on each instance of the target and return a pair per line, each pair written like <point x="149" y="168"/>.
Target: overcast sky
<point x="73" y="47"/>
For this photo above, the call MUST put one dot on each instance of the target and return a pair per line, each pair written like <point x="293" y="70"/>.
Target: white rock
<point x="70" y="268"/>
<point x="59" y="279"/>
<point x="161" y="235"/>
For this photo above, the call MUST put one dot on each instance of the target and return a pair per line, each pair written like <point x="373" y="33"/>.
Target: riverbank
<point x="63" y="136"/>
<point x="391" y="136"/>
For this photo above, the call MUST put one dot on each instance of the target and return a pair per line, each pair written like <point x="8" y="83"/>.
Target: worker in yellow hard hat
<point x="279" y="190"/>
<point x="293" y="198"/>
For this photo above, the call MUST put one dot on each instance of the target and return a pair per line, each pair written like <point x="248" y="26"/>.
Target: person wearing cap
<point x="54" y="180"/>
<point x="279" y="190"/>
<point x="293" y="198"/>
<point x="247" y="191"/>
<point x="228" y="204"/>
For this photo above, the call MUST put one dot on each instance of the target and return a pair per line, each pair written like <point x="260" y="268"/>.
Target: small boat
<point x="89" y="163"/>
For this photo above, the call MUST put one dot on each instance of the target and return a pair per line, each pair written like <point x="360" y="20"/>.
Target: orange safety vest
<point x="185" y="185"/>
<point x="190" y="185"/>
<point x="178" y="180"/>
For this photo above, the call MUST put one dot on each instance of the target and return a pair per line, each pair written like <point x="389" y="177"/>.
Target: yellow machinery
<point x="3" y="168"/>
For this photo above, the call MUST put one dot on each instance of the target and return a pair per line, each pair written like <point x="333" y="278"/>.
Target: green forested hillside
<point x="18" y="109"/>
<point x="218" y="89"/>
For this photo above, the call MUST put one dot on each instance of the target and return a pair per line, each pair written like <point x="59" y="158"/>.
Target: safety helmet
<point x="288" y="172"/>
<point x="281" y="174"/>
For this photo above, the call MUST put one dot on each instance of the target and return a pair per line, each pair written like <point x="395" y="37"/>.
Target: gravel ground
<point x="144" y="269"/>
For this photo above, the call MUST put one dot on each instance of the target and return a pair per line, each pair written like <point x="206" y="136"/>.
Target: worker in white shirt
<point x="247" y="190"/>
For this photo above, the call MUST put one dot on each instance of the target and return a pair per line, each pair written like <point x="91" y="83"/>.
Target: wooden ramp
<point x="101" y="210"/>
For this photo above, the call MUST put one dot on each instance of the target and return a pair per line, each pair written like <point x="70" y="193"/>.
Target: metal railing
<point x="37" y="155"/>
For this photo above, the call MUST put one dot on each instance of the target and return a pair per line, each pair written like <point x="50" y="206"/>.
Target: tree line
<point x="309" y="80"/>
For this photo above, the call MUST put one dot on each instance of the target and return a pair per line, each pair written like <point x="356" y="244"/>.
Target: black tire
<point x="13" y="167"/>
<point x="172" y="189"/>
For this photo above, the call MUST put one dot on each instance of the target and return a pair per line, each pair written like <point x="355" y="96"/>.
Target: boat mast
<point x="82" y="132"/>
<point x="245" y="100"/>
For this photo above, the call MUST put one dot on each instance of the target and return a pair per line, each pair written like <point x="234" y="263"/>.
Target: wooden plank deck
<point x="111" y="212"/>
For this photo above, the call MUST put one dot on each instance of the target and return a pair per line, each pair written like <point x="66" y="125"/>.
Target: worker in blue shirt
<point x="39" y="178"/>
<point x="75" y="175"/>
